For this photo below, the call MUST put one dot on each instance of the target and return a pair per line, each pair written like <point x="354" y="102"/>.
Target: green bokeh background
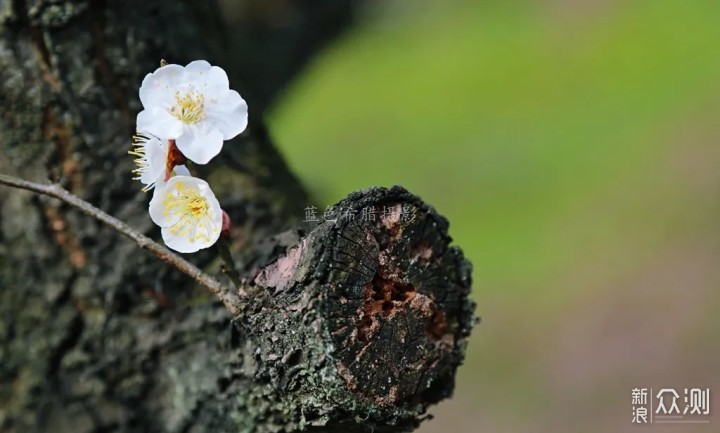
<point x="575" y="148"/>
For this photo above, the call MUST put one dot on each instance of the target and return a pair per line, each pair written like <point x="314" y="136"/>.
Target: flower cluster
<point x="188" y="112"/>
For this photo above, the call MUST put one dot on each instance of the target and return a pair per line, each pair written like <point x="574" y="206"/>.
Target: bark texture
<point x="362" y="323"/>
<point x="351" y="325"/>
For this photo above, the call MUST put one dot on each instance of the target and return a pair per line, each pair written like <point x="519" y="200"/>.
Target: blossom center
<point x="190" y="211"/>
<point x="189" y="107"/>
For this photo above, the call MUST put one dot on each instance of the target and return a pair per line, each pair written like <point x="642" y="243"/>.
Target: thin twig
<point x="228" y="297"/>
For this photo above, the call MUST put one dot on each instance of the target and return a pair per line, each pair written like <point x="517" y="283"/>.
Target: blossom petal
<point x="217" y="80"/>
<point x="157" y="207"/>
<point x="206" y="78"/>
<point x="181" y="244"/>
<point x="206" y="192"/>
<point x="196" y="73"/>
<point x="181" y="170"/>
<point x="200" y="143"/>
<point x="198" y="66"/>
<point x="216" y="215"/>
<point x="229" y="114"/>
<point x="158" y="88"/>
<point x="159" y="122"/>
<point x="155" y="155"/>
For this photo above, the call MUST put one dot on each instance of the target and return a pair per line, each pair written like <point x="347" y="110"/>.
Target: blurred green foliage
<point x="491" y="112"/>
<point x="542" y="130"/>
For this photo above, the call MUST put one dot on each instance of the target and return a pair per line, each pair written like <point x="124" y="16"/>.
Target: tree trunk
<point x="353" y="325"/>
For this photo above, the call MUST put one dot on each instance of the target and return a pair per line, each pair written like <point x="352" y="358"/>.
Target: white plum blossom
<point x="188" y="213"/>
<point x="151" y="158"/>
<point x="188" y="112"/>
<point x="194" y="106"/>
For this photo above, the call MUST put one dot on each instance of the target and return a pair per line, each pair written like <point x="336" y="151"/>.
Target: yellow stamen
<point x="140" y="160"/>
<point x="193" y="211"/>
<point x="139" y="141"/>
<point x="189" y="107"/>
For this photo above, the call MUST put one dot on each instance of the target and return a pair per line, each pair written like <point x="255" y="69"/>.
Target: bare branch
<point x="230" y="298"/>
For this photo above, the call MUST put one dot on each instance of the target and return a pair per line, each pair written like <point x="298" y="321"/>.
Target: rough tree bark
<point x="349" y="326"/>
